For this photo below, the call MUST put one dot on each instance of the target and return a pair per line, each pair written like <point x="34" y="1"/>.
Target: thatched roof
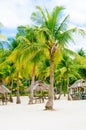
<point x="79" y="83"/>
<point x="39" y="86"/>
<point x="3" y="89"/>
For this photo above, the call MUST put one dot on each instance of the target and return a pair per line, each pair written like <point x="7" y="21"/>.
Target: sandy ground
<point x="68" y="115"/>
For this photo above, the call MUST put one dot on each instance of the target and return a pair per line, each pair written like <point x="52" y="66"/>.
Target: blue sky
<point x="17" y="12"/>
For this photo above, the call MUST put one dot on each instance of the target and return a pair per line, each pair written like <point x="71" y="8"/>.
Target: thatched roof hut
<point x="39" y="86"/>
<point x="79" y="83"/>
<point x="78" y="90"/>
<point x="3" y="89"/>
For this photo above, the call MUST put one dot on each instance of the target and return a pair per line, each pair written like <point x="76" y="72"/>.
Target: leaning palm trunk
<point x="49" y="104"/>
<point x="32" y="83"/>
<point x="18" y="101"/>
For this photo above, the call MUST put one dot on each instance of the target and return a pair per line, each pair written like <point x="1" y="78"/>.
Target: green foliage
<point x="34" y="45"/>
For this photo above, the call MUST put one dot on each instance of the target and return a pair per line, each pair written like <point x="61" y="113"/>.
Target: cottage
<point x="78" y="89"/>
<point x="38" y="88"/>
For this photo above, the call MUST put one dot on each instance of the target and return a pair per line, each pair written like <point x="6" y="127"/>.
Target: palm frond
<point x="63" y="25"/>
<point x="55" y="13"/>
<point x="81" y="52"/>
<point x="42" y="12"/>
<point x="64" y="38"/>
<point x="78" y="31"/>
<point x="37" y="17"/>
<point x="48" y="14"/>
<point x="23" y="39"/>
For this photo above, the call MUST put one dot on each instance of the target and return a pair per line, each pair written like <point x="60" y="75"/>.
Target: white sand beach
<point x="68" y="115"/>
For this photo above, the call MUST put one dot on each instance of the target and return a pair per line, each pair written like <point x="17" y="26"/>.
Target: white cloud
<point x="17" y="12"/>
<point x="80" y="42"/>
<point x="78" y="17"/>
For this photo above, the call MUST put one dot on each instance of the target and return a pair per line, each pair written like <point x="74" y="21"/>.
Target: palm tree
<point x="82" y="53"/>
<point x="82" y="69"/>
<point x="68" y="68"/>
<point x="14" y="58"/>
<point x="9" y="61"/>
<point x="31" y="53"/>
<point x="56" y="35"/>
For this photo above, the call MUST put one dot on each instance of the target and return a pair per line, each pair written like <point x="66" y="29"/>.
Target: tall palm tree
<point x="31" y="52"/>
<point x="14" y="58"/>
<point x="9" y="61"/>
<point x="56" y="34"/>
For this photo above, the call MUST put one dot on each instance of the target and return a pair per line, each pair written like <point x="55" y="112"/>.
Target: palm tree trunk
<point x="49" y="104"/>
<point x="68" y="95"/>
<point x="60" y="91"/>
<point x="18" y="101"/>
<point x="32" y="83"/>
<point x="11" y="86"/>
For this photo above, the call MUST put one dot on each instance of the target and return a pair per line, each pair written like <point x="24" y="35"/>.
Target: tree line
<point x="39" y="51"/>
